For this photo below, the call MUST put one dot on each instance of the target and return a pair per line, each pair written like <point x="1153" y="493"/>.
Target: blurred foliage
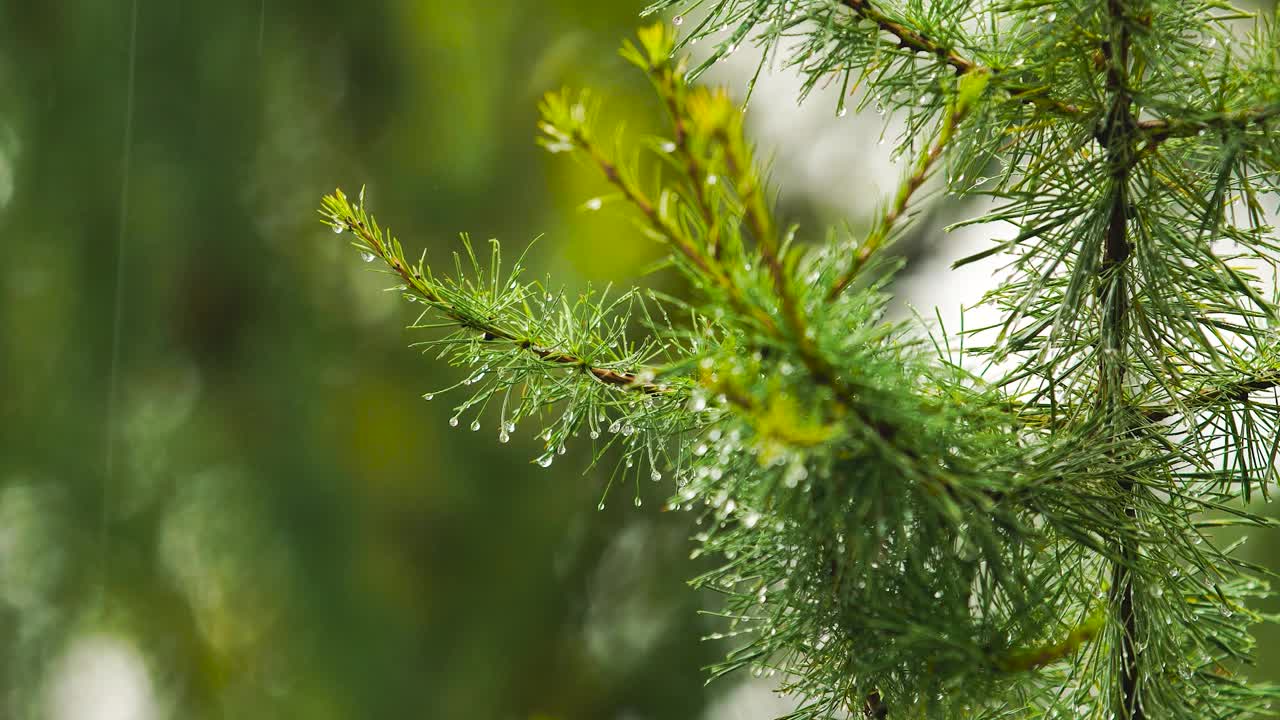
<point x="243" y="495"/>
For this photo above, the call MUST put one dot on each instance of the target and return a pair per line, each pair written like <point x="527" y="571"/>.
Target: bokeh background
<point x="221" y="492"/>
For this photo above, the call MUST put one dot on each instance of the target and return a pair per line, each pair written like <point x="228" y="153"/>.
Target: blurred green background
<point x="221" y="493"/>
<point x="266" y="518"/>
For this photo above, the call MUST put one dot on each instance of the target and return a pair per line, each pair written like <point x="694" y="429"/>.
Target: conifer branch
<point x="897" y="533"/>
<point x="1159" y="130"/>
<point x="1236" y="391"/>
<point x="1118" y="138"/>
<point x="881" y="233"/>
<point x="342" y="215"/>
<point x="912" y="39"/>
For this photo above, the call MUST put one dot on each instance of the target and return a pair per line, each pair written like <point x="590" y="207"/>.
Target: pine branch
<point x="897" y="533"/>
<point x="1159" y="130"/>
<point x="1119" y="138"/>
<point x="342" y="215"/>
<point x="881" y="233"/>
<point x="1236" y="391"/>
<point x="912" y="39"/>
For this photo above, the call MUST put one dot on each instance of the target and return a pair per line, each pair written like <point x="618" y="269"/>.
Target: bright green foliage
<point x="899" y="537"/>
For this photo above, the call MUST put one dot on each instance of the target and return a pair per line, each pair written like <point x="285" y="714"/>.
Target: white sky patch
<point x="101" y="677"/>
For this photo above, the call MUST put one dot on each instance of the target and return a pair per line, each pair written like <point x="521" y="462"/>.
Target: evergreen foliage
<point x="901" y="537"/>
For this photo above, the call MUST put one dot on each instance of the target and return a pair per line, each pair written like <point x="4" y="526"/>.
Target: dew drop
<point x="503" y="437"/>
<point x="655" y="476"/>
<point x="638" y="502"/>
<point x="842" y="112"/>
<point x="546" y="460"/>
<point x="594" y="203"/>
<point x="595" y="434"/>
<point x="429" y="396"/>
<point x="600" y="506"/>
<point x="453" y="421"/>
<point x="367" y="256"/>
<point x="677" y="20"/>
<point x="712" y="179"/>
<point x="339" y="228"/>
<point x="475" y="425"/>
<point x="668" y="147"/>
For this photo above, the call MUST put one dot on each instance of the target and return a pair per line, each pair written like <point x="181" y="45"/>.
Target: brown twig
<point x="490" y="331"/>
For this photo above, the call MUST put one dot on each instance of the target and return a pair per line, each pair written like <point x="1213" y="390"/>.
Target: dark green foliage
<point x="900" y="536"/>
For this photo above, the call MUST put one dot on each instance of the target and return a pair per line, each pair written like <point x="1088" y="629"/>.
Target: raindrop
<point x="367" y="256"/>
<point x="509" y="427"/>
<point x="668" y="147"/>
<point x="475" y="425"/>
<point x="546" y="460"/>
<point x="594" y="203"/>
<point x="339" y="228"/>
<point x="937" y="595"/>
<point x="677" y="20"/>
<point x="595" y="434"/>
<point x="842" y="112"/>
<point x="638" y="503"/>
<point x="429" y="396"/>
<point x="712" y="179"/>
<point x="504" y="437"/>
<point x="453" y="421"/>
<point x="655" y="476"/>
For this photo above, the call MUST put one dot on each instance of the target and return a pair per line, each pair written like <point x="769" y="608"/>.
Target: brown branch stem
<point x="491" y="331"/>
